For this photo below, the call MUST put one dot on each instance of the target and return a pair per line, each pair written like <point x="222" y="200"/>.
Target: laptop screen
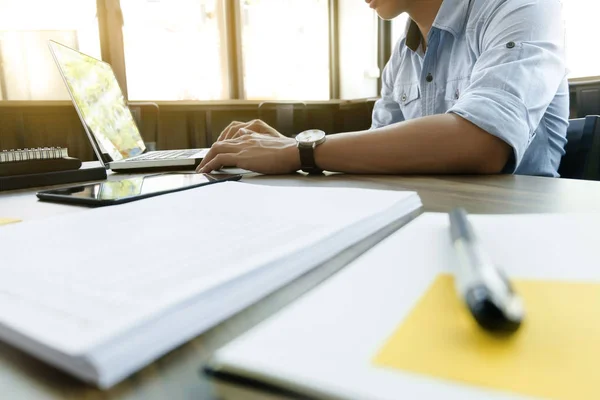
<point x="100" y="103"/>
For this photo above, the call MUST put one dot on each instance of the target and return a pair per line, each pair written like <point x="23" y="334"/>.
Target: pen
<point x="483" y="286"/>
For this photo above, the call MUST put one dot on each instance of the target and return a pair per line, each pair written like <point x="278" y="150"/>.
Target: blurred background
<point x="203" y="63"/>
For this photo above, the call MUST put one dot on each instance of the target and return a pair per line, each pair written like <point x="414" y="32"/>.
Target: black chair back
<point x="582" y="157"/>
<point x="288" y="117"/>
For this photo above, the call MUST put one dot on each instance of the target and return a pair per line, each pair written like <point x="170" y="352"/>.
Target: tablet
<point x="132" y="188"/>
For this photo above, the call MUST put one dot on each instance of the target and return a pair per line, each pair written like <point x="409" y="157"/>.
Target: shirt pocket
<point x="408" y="96"/>
<point x="455" y="88"/>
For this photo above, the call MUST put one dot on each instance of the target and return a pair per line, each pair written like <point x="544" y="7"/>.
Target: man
<point x="475" y="86"/>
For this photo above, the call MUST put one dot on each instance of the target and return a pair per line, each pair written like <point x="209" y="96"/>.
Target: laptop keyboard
<point x="165" y="155"/>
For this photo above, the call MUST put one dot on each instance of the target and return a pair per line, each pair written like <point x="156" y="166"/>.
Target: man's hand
<point x="263" y="153"/>
<point x="237" y="129"/>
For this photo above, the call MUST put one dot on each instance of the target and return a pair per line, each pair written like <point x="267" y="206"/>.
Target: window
<point x="174" y="49"/>
<point x="27" y="70"/>
<point x="581" y="17"/>
<point x="358" y="50"/>
<point x="285" y="49"/>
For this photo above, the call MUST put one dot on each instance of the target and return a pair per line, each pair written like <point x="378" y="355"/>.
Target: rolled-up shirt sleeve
<point x="517" y="74"/>
<point x="386" y="110"/>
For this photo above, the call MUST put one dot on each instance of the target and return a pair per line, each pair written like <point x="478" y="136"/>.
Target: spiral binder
<point x="40" y="153"/>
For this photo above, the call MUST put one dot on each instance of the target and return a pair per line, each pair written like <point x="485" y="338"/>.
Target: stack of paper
<point x="103" y="292"/>
<point x="390" y="325"/>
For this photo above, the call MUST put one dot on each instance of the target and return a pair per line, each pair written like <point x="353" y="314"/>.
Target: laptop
<point x="107" y="120"/>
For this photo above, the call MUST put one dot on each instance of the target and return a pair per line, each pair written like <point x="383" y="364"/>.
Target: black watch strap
<point x="307" y="160"/>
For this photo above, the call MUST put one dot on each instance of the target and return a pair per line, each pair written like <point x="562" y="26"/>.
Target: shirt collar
<point x="451" y="17"/>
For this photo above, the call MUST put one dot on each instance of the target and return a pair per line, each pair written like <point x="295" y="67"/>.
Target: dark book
<point x="27" y="168"/>
<point x="83" y="174"/>
<point x="33" y="166"/>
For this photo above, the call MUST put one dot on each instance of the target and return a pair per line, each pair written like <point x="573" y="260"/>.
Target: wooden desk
<point x="177" y="375"/>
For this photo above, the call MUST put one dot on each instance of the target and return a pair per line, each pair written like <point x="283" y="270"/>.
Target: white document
<point x="102" y="292"/>
<point x="324" y="343"/>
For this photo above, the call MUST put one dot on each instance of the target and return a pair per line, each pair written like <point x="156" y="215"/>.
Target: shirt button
<point x="429" y="78"/>
<point x="510" y="45"/>
<point x="403" y="97"/>
<point x="456" y="94"/>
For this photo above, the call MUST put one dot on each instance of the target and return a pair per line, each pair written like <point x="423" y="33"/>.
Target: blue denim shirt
<point x="499" y="64"/>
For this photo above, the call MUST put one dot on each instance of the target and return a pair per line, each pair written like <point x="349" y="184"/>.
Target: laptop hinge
<point x="106" y="158"/>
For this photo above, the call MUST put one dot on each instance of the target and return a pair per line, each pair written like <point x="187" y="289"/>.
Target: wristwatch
<point x="306" y="142"/>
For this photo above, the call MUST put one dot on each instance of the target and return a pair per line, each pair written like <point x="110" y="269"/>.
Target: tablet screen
<point x="139" y="186"/>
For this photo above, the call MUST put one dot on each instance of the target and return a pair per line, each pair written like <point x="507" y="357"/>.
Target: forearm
<point x="436" y="144"/>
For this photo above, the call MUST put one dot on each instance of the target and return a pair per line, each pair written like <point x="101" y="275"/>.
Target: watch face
<point x="310" y="136"/>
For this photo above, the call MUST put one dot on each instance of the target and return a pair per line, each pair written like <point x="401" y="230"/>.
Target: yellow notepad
<point x="555" y="354"/>
<point x="6" y="221"/>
